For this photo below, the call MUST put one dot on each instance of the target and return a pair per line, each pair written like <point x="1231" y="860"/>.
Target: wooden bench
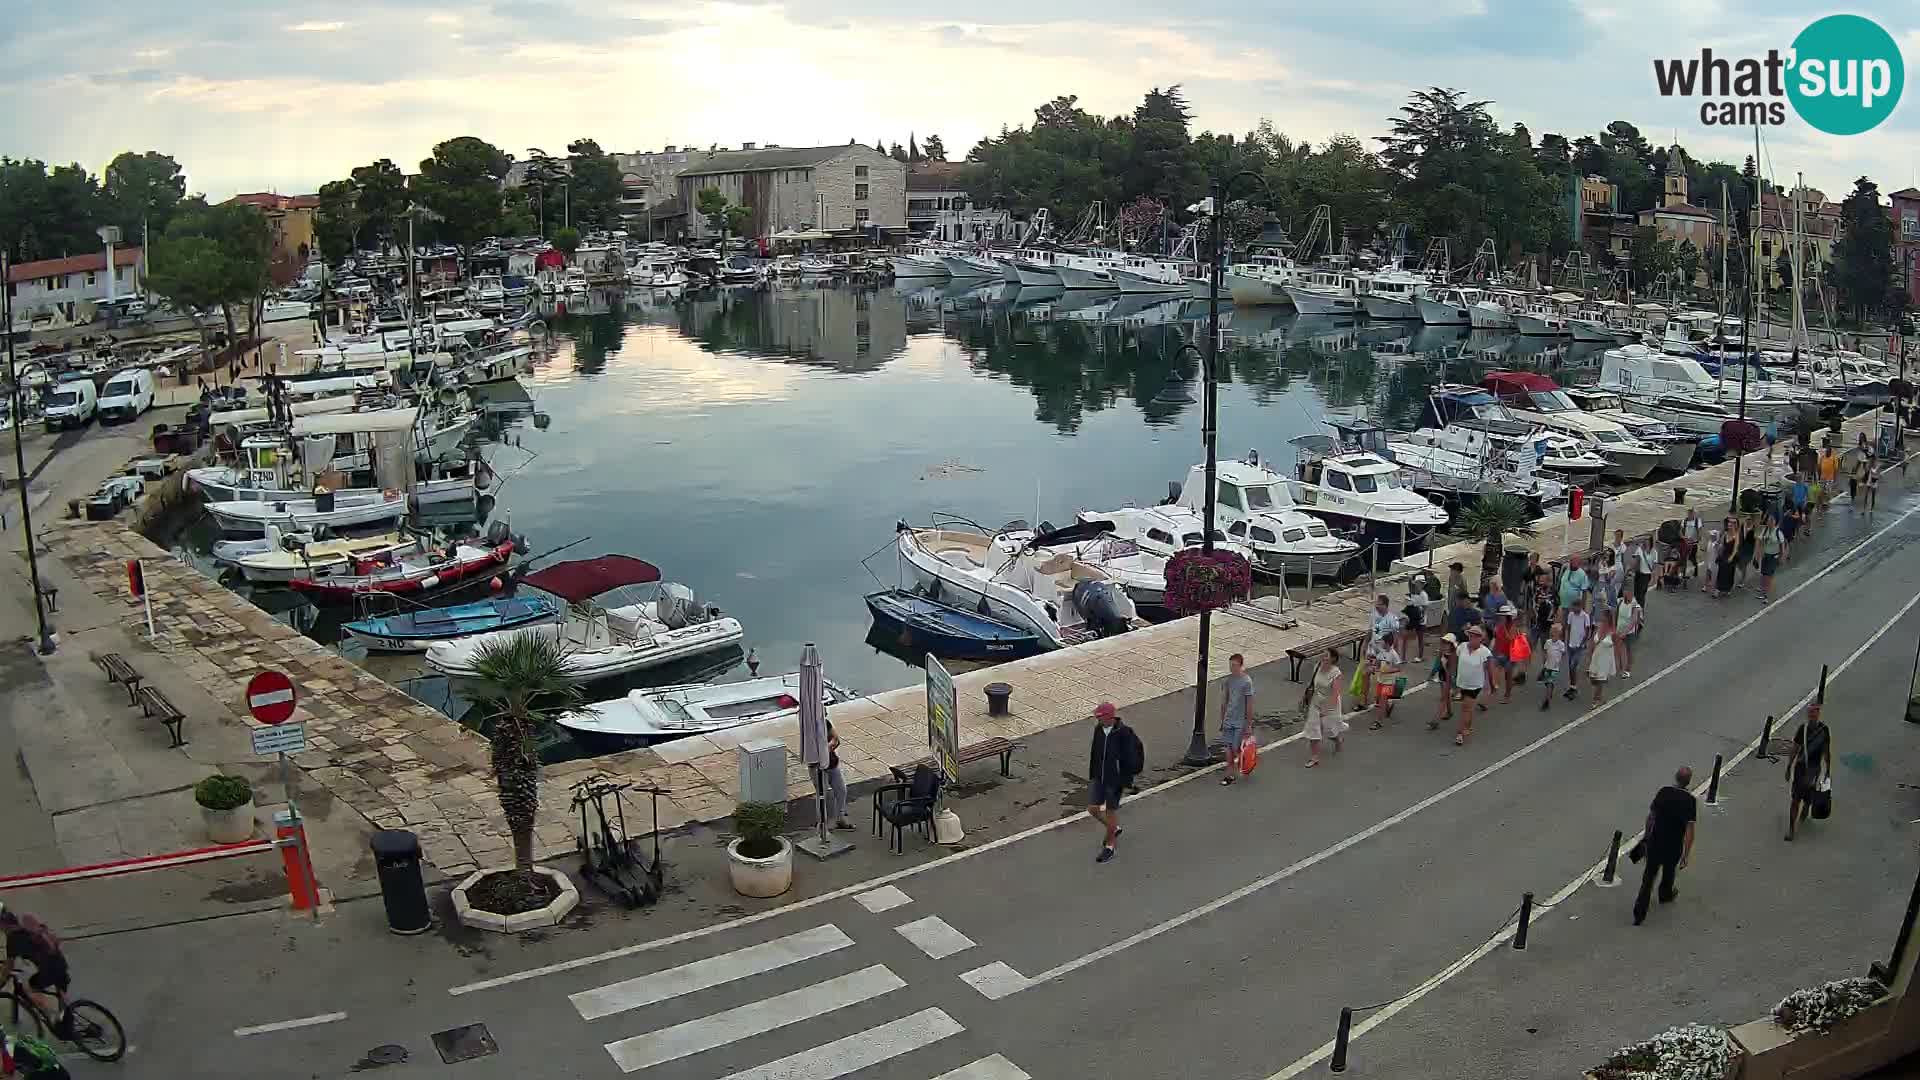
<point x="980" y="751"/>
<point x="1299" y="653"/>
<point x="155" y="704"/>
<point x="120" y="672"/>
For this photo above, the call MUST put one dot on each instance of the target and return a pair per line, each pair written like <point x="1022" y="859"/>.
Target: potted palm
<point x="226" y="805"/>
<point x="1491" y="517"/>
<point x="522" y="685"/>
<point x="760" y="860"/>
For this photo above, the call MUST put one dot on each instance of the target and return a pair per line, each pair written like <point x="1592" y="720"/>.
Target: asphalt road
<point x="1231" y="929"/>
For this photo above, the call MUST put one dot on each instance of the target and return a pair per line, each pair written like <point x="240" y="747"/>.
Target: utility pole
<point x="20" y="462"/>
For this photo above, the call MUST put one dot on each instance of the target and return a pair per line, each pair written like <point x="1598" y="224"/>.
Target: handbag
<point x="1821" y="805"/>
<point x="1249" y="754"/>
<point x="1358" y="684"/>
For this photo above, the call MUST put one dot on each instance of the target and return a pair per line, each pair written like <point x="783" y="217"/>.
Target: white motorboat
<point x="1688" y="333"/>
<point x="920" y="261"/>
<point x="1605" y="322"/>
<point x="1004" y="576"/>
<point x="1392" y="294"/>
<point x="1137" y="274"/>
<point x="1360" y="493"/>
<point x="1537" y="399"/>
<point x="247" y="517"/>
<point x="488" y="292"/>
<point x="602" y="642"/>
<point x="1463" y="461"/>
<point x="1036" y="269"/>
<point x="965" y="267"/>
<point x="1092" y="269"/>
<point x="575" y="283"/>
<point x="1261" y="280"/>
<point x="444" y="435"/>
<point x="1325" y="292"/>
<point x="1448" y="306"/>
<point x="1679" y="448"/>
<point x="1543" y="316"/>
<point x="290" y="561"/>
<point x="1640" y="374"/>
<point x="669" y="712"/>
<point x="1493" y="311"/>
<point x="656" y="272"/>
<point x="1282" y="540"/>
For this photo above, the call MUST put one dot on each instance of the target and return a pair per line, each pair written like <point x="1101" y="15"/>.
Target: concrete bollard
<point x="1340" y="1037"/>
<point x="1526" y="916"/>
<point x="1608" y="877"/>
<point x="1713" y="785"/>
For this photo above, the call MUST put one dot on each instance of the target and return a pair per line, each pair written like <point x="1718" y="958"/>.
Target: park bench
<point x="155" y="704"/>
<point x="1299" y="653"/>
<point x="119" y="672"/>
<point x="980" y="751"/>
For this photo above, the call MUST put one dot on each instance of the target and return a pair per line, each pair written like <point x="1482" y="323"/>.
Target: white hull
<point x="1074" y="277"/>
<point x="445" y="492"/>
<point x="961" y="268"/>
<point x="1591" y="330"/>
<point x="1486" y="316"/>
<point x="1631" y="465"/>
<point x="1130" y="282"/>
<point x="590" y="657"/>
<point x="1009" y="273"/>
<point x="444" y="441"/>
<point x="914" y="266"/>
<point x="1531" y="325"/>
<point x="669" y="712"/>
<point x="1390" y="308"/>
<point x="1034" y="276"/>
<point x="1253" y="292"/>
<point x="1313" y="302"/>
<point x="219" y="484"/>
<point x="247" y="517"/>
<point x="1436" y="313"/>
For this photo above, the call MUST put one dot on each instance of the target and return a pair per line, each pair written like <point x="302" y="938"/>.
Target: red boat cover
<point x="584" y="579"/>
<point x="1511" y="382"/>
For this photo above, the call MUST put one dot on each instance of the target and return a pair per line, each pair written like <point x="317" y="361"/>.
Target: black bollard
<point x="1613" y="859"/>
<point x="1339" y="1062"/>
<point x="1766" y="736"/>
<point x="1526" y="914"/>
<point x="1713" y="785"/>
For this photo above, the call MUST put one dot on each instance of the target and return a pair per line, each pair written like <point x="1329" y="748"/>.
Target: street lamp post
<point x="1197" y="752"/>
<point x="20" y="461"/>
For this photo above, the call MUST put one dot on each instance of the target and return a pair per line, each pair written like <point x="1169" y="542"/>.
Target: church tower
<point x="1676" y="180"/>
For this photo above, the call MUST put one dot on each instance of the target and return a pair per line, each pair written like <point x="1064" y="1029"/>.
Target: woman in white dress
<point x="1604" y="655"/>
<point x="1322" y="707"/>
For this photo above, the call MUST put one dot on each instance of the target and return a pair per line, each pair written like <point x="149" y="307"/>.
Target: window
<point x="1264" y="536"/>
<point x="1239" y="529"/>
<point x="859" y="170"/>
<point x="1338" y="481"/>
<point x="1161" y="535"/>
<point x="1294" y="536"/>
<point x="860" y="216"/>
<point x="859" y="191"/>
<point x="91" y="279"/>
<point x="1363" y="483"/>
<point x="1259" y="498"/>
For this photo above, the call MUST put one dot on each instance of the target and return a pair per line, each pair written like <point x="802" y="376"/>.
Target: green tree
<point x="934" y="148"/>
<point x="596" y="185"/>
<point x="1489" y="520"/>
<point x="1653" y="256"/>
<point x="192" y="274"/>
<point x="1686" y="260"/>
<point x="1863" y="256"/>
<point x="545" y="173"/>
<point x="337" y="221"/>
<point x="245" y="244"/>
<point x="711" y="203"/>
<point x="1783" y="266"/>
<point x="461" y="183"/>
<point x="47" y="213"/>
<point x="380" y="193"/>
<point x="739" y="219"/>
<point x="567" y="240"/>
<point x="522" y="687"/>
<point x="143" y="190"/>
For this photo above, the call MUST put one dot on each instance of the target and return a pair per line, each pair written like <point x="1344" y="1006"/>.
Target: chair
<point x="912" y="804"/>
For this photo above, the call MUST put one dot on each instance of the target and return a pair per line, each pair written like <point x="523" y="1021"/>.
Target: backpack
<point x="41" y="933"/>
<point x="1134" y="754"/>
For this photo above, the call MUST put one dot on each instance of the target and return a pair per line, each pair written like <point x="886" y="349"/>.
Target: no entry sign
<point x="270" y="697"/>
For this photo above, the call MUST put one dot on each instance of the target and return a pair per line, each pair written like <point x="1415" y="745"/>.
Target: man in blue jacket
<point x="1116" y="758"/>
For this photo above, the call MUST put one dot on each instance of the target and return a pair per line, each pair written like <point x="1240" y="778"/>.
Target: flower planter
<point x="1852" y="1047"/>
<point x="537" y="919"/>
<point x="770" y="876"/>
<point x="1688" y="1052"/>
<point x="229" y="826"/>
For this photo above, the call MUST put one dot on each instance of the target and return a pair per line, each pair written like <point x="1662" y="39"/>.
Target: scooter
<point x="608" y="855"/>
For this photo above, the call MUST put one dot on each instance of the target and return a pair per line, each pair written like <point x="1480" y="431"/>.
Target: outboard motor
<point x="675" y="606"/>
<point x="1105" y="607"/>
<point x="497" y="533"/>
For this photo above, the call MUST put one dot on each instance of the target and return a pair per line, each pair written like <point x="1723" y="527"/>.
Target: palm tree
<point x="1491" y="517"/>
<point x="522" y="685"/>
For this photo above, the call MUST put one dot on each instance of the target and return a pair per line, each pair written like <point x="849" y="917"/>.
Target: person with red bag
<point x="1236" y="716"/>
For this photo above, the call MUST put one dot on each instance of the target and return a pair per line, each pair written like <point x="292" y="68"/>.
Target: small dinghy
<point x="338" y="510"/>
<point x="414" y="631"/>
<point x="422" y="574"/>
<point x="948" y="631"/>
<point x="321" y="558"/>
<point x="666" y="712"/>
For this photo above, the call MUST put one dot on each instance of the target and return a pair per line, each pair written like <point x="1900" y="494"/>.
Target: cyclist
<point x="29" y="939"/>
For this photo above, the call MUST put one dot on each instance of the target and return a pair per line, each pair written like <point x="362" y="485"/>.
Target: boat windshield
<point x="1363" y="482"/>
<point x="1259" y="497"/>
<point x="1552" y="401"/>
<point x="1608" y="437"/>
<point x="677" y="715"/>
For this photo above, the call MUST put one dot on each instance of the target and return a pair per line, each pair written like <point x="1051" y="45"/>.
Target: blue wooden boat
<point x="948" y="631"/>
<point x="413" y="631"/>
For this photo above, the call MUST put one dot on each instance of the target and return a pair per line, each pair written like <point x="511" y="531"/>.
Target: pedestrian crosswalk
<point x="821" y="956"/>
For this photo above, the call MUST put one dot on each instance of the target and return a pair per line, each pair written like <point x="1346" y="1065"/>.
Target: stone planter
<point x="1852" y="1047"/>
<point x="229" y="826"/>
<point x="537" y="919"/>
<point x="770" y="876"/>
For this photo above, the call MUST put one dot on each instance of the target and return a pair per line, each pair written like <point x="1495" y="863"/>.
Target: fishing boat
<point x="1325" y="292"/>
<point x="1449" y="306"/>
<point x="247" y="517"/>
<point x="1014" y="575"/>
<point x="929" y="625"/>
<point x="414" y="631"/>
<point x="606" y="641"/>
<point x="1392" y="294"/>
<point x="669" y="712"/>
<point x="1494" y="310"/>
<point x="423" y="573"/>
<point x="1261" y="280"/>
<point x="320" y="558"/>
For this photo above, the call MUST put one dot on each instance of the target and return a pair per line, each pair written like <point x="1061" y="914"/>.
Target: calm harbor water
<point x="757" y="446"/>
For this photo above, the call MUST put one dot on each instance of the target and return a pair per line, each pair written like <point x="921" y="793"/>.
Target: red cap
<point x="1104" y="710"/>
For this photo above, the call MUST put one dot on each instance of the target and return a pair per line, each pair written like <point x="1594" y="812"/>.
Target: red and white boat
<point x="419" y="574"/>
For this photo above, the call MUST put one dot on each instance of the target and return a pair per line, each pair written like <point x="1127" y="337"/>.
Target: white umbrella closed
<point x="815" y="752"/>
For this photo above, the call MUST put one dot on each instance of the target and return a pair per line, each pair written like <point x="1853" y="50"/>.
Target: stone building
<point x="850" y="190"/>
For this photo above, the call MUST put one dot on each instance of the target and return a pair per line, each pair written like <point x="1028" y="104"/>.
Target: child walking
<point x="1553" y="656"/>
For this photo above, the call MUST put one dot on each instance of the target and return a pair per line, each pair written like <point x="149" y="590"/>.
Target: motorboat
<point x="962" y="266"/>
<point x="1342" y="490"/>
<point x="656" y="272"/>
<point x="928" y="625"/>
<point x="601" y="640"/>
<point x="1283" y="541"/>
<point x="1560" y="456"/>
<point x="487" y="292"/>
<point x="1538" y="399"/>
<point x="671" y="712"/>
<point x="1143" y="574"/>
<point x="415" y="631"/>
<point x="1688" y="333"/>
<point x="319" y="558"/>
<point x="1464" y="460"/>
<point x="739" y="270"/>
<point x="1544" y="316"/>
<point x="286" y="311"/>
<point x="1641" y="375"/>
<point x="1450" y="305"/>
<point x="1017" y="576"/>
<point x="1036" y="268"/>
<point x="1392" y="294"/>
<point x="335" y="511"/>
<point x="1607" y="322"/>
<point x="920" y="261"/>
<point x="1138" y="274"/>
<point x="1494" y="310"/>
<point x="415" y="575"/>
<point x="1261" y="280"/>
<point x="575" y="282"/>
<point x="1091" y="269"/>
<point x="1325" y="292"/>
<point x="1680" y="448"/>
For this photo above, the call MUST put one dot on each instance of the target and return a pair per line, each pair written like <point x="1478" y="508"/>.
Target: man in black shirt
<point x="1669" y="840"/>
<point x="29" y="939"/>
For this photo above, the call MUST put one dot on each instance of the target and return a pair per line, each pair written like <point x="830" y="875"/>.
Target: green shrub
<point x="759" y="825"/>
<point x="222" y="792"/>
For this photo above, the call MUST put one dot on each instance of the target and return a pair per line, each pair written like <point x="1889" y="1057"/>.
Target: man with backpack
<point x="1117" y="757"/>
<point x="29" y="939"/>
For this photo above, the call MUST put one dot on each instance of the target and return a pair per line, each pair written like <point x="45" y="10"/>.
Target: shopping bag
<point x="1821" y="805"/>
<point x="1357" y="685"/>
<point x="1249" y="754"/>
<point x="1521" y="651"/>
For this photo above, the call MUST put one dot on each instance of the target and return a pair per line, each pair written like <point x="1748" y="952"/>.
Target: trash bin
<point x="998" y="694"/>
<point x="396" y="855"/>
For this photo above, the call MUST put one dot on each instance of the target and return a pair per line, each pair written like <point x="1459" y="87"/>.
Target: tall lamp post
<point x="20" y="459"/>
<point x="1216" y="204"/>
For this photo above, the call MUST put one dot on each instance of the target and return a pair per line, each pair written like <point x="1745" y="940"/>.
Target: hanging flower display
<point x="1204" y="580"/>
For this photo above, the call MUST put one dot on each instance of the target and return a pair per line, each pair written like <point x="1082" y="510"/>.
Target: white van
<point x="71" y="404"/>
<point x="128" y="394"/>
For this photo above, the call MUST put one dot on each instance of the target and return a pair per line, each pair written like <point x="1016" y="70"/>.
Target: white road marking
<point x="755" y="1018"/>
<point x="289" y="1025"/>
<point x="990" y="846"/>
<point x="935" y="937"/>
<point x="987" y="1068"/>
<point x="713" y="971"/>
<point x="995" y="981"/>
<point x="1443" y="794"/>
<point x="1592" y="872"/>
<point x="884" y="898"/>
<point x="859" y="1050"/>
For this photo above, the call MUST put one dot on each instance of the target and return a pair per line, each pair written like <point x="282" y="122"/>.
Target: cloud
<point x="317" y="27"/>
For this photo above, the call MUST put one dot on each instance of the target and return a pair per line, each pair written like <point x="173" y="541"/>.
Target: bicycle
<point x="95" y="1030"/>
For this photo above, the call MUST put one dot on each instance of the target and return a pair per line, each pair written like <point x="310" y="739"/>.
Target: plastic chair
<point x="912" y="805"/>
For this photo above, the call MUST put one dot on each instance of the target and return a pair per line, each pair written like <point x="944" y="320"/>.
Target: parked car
<point x="128" y="394"/>
<point x="71" y="404"/>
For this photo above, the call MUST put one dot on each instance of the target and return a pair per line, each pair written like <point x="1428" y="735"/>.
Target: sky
<point x="252" y="95"/>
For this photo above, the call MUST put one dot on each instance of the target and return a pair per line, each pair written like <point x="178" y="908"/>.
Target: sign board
<point x="943" y="720"/>
<point x="280" y="739"/>
<point x="270" y="697"/>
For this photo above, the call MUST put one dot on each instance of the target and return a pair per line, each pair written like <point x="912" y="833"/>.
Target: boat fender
<point x="430" y="581"/>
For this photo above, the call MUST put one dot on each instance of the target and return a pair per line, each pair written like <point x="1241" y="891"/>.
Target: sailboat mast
<point x="1720" y="378"/>
<point x="1759" y="225"/>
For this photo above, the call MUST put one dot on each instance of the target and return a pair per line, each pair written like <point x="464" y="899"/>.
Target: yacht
<point x="1559" y="455"/>
<point x="1680" y="447"/>
<point x="1448" y="305"/>
<point x="1360" y="493"/>
<point x="1392" y="294"/>
<point x="1325" y="292"/>
<point x="1641" y="375"/>
<point x="1262" y="279"/>
<point x="1538" y="399"/>
<point x="1494" y="310"/>
<point x="655" y="272"/>
<point x="1283" y="541"/>
<point x="1459" y="458"/>
<point x="1006" y="575"/>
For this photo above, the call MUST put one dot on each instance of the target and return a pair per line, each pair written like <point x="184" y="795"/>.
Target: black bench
<point x="120" y="672"/>
<point x="1299" y="653"/>
<point x="980" y="751"/>
<point x="155" y="704"/>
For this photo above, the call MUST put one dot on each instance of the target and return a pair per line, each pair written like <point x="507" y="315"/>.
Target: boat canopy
<point x="352" y="422"/>
<point x="1518" y="382"/>
<point x="584" y="579"/>
<point x="260" y="415"/>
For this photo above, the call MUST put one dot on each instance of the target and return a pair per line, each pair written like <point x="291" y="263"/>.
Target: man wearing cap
<point x="1116" y="758"/>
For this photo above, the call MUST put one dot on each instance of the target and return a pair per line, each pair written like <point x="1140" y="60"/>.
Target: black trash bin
<point x="396" y="855"/>
<point x="997" y="696"/>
